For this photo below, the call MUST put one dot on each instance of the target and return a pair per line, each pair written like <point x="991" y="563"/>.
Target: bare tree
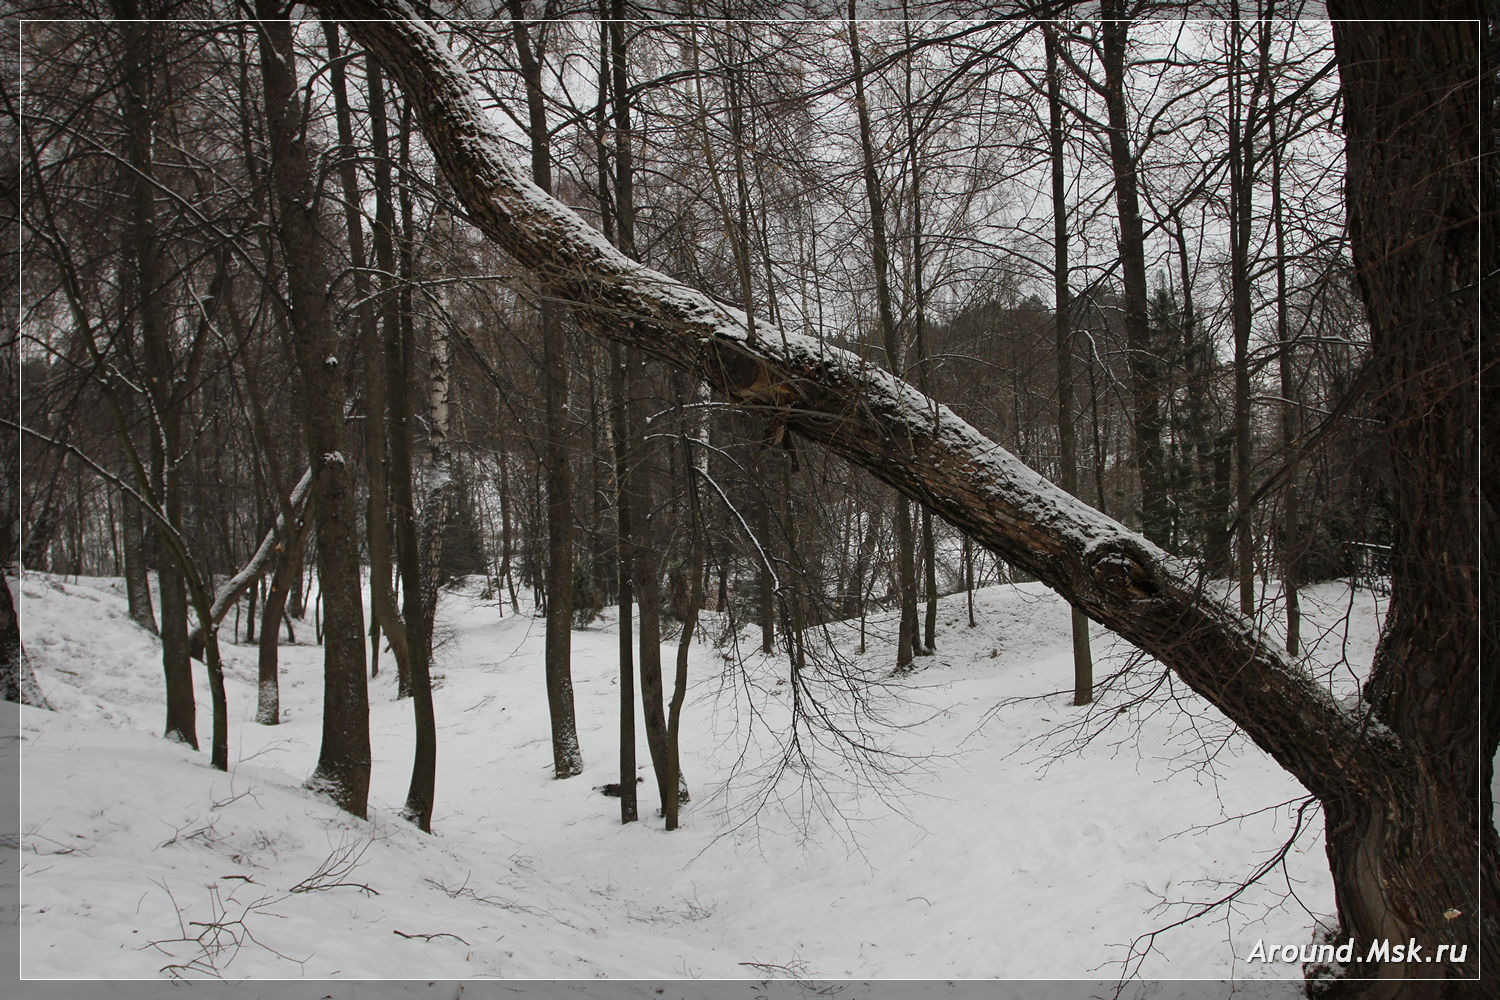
<point x="343" y="768"/>
<point x="1396" y="771"/>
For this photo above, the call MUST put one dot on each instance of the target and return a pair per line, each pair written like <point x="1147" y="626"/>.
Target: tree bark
<point x="17" y="681"/>
<point x="1145" y="415"/>
<point x="160" y="373"/>
<point x="288" y="568"/>
<point x="567" y="756"/>
<point x="137" y="583"/>
<point x="907" y="636"/>
<point x="1395" y="770"/>
<point x="1067" y="478"/>
<point x="343" y="768"/>
<point x="1403" y="852"/>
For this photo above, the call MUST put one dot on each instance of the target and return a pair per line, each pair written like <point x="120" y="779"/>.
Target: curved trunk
<point x="1397" y="771"/>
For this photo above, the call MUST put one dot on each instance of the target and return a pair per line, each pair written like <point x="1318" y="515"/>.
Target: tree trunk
<point x="1242" y="170"/>
<point x="343" y="768"/>
<point x="17" y="681"/>
<point x="378" y="331"/>
<point x="1403" y="850"/>
<point x="1067" y="478"/>
<point x="160" y="373"/>
<point x="1145" y="416"/>
<point x="693" y="467"/>
<point x="137" y="583"/>
<point x="288" y="568"/>
<point x="400" y="348"/>
<point x="1396" y="771"/>
<point x="1288" y="541"/>
<point x="567" y="756"/>
<point x="907" y="635"/>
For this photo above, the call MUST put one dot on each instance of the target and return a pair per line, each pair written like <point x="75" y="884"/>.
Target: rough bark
<point x="1404" y="851"/>
<point x="567" y="757"/>
<point x="1395" y="770"/>
<point x="17" y="680"/>
<point x="343" y="768"/>
<point x="160" y="373"/>
<point x="1145" y="409"/>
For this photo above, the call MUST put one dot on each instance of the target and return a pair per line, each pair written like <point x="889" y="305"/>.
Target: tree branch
<point x="881" y="423"/>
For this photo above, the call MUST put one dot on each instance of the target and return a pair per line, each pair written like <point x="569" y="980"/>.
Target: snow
<point x="997" y="849"/>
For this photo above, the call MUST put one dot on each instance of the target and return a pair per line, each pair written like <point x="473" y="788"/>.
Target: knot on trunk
<point x="1121" y="566"/>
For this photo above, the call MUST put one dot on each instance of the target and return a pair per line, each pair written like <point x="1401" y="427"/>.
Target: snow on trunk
<point x="875" y="420"/>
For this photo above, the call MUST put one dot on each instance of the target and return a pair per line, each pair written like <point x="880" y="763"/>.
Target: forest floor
<point x="961" y="828"/>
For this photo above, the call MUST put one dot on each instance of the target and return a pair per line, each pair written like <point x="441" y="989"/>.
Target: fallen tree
<point x="1407" y="824"/>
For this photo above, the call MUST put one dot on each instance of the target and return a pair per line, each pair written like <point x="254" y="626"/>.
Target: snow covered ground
<point x="990" y="842"/>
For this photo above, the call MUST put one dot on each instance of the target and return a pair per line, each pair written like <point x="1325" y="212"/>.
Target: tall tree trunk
<point x="343" y="768"/>
<point x="400" y="353"/>
<point x="160" y="371"/>
<point x="645" y="561"/>
<point x="694" y="467"/>
<point x="1067" y="477"/>
<point x="1242" y="171"/>
<point x="1288" y="539"/>
<point x="906" y="565"/>
<point x="1145" y="415"/>
<point x="1403" y="850"/>
<point x="567" y="756"/>
<point x="928" y="643"/>
<point x="619" y="388"/>
<point x="376" y="329"/>
<point x="1404" y="792"/>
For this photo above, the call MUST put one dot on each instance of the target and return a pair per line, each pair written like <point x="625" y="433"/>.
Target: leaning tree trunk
<point x="1400" y="788"/>
<point x="137" y="583"/>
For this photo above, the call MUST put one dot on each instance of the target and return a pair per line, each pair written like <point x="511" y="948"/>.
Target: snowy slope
<point x="995" y="847"/>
